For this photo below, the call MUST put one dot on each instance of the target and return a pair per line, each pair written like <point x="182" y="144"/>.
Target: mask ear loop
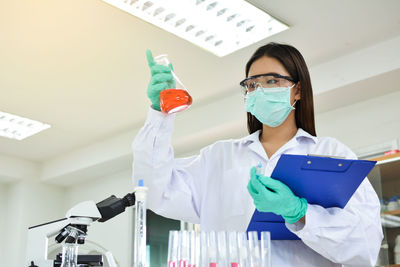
<point x="295" y="101"/>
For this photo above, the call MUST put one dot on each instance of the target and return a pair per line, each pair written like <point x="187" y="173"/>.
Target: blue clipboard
<point x="325" y="181"/>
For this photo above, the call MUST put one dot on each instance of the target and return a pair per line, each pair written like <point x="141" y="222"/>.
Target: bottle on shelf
<point x="392" y="204"/>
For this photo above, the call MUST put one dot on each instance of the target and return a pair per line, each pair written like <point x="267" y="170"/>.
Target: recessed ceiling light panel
<point x="220" y="27"/>
<point x="16" y="127"/>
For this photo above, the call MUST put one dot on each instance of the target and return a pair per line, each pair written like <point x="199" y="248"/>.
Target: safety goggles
<point x="268" y="80"/>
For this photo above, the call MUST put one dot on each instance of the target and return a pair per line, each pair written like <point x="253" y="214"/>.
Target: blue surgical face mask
<point x="271" y="106"/>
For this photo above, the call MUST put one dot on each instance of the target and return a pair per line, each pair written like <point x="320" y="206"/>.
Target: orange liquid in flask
<point x="174" y="100"/>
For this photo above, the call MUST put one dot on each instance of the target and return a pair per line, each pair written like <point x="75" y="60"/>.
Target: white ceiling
<point x="80" y="65"/>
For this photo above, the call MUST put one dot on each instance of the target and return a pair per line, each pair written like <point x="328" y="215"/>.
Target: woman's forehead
<point x="267" y="65"/>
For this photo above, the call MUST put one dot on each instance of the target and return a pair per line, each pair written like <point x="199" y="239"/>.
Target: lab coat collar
<point x="254" y="143"/>
<point x="254" y="137"/>
<point x="300" y="135"/>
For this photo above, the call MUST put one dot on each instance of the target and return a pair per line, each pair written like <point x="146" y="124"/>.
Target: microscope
<point x="73" y="229"/>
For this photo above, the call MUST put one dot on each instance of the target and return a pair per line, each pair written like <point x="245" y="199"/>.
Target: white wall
<point x="28" y="203"/>
<point x="364" y="123"/>
<point x="116" y="234"/>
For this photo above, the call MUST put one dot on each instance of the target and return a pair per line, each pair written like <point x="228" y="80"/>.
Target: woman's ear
<point x="297" y="91"/>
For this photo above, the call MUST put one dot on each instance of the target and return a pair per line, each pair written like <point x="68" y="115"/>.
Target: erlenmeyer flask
<point x="176" y="98"/>
<point x="69" y="255"/>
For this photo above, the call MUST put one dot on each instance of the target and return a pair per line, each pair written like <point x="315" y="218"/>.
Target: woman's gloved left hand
<point x="270" y="195"/>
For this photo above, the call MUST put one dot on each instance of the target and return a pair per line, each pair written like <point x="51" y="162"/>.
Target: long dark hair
<point x="296" y="66"/>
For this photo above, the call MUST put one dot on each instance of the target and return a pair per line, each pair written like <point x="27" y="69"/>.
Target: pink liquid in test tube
<point x="182" y="263"/>
<point x="234" y="264"/>
<point x="171" y="264"/>
<point x="213" y="264"/>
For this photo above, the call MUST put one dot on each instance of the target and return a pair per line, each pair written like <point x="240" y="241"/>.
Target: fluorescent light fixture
<point x="16" y="127"/>
<point x="220" y="27"/>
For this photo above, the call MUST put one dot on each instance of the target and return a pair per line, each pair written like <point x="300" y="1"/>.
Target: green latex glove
<point x="161" y="79"/>
<point x="270" y="195"/>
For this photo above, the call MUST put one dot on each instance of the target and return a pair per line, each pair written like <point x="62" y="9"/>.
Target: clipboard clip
<point x="337" y="164"/>
<point x="325" y="156"/>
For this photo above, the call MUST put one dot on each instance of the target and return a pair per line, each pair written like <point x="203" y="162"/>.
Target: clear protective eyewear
<point x="268" y="80"/>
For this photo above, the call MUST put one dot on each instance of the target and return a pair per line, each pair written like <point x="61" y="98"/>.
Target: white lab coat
<point x="210" y="189"/>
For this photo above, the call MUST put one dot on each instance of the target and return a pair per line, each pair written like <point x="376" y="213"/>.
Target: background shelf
<point x="392" y="212"/>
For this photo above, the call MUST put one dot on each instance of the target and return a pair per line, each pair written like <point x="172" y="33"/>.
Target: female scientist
<point x="219" y="188"/>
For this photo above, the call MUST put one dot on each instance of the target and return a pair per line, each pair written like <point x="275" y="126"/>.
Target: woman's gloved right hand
<point x="161" y="79"/>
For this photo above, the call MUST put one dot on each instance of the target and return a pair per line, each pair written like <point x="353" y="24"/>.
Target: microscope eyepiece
<point x="129" y="199"/>
<point x="112" y="206"/>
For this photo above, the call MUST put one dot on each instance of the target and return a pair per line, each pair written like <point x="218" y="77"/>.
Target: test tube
<point x="212" y="249"/>
<point x="243" y="249"/>
<point x="183" y="249"/>
<point x="173" y="248"/>
<point x="254" y="249"/>
<point x="198" y="248"/>
<point x="140" y="225"/>
<point x="192" y="249"/>
<point x="233" y="249"/>
<point x="265" y="249"/>
<point x="204" y="249"/>
<point x="259" y="170"/>
<point x="222" y="249"/>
